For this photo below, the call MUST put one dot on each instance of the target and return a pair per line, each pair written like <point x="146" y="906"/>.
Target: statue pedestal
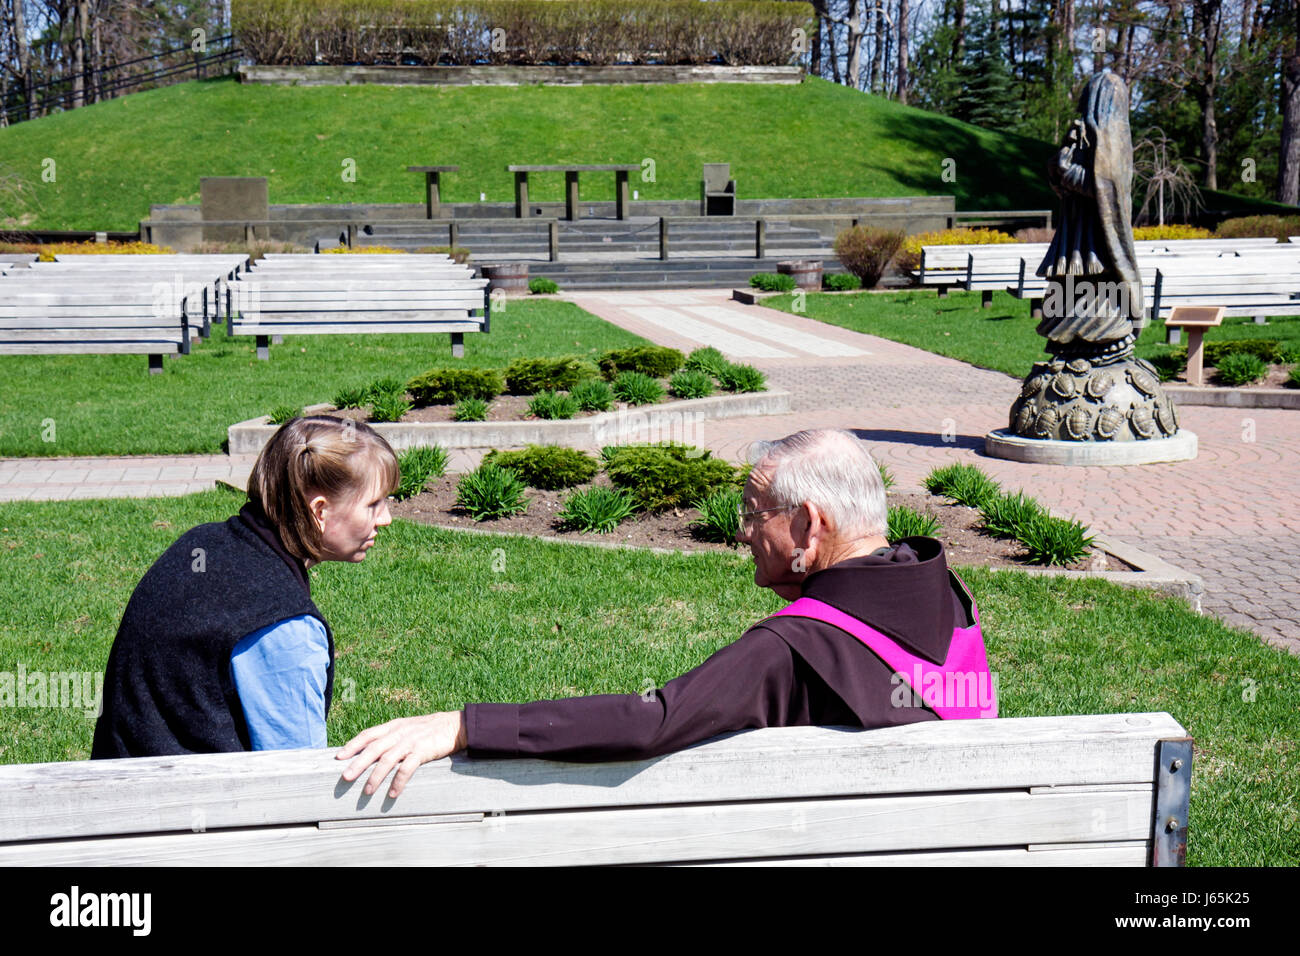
<point x="1181" y="446"/>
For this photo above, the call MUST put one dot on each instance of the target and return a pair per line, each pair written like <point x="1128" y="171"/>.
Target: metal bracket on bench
<point x="264" y="347"/>
<point x="1173" y="791"/>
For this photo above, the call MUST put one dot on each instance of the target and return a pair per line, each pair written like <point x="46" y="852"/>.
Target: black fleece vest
<point x="168" y="687"/>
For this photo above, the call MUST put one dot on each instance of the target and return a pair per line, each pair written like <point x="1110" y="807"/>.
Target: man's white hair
<point x="831" y="468"/>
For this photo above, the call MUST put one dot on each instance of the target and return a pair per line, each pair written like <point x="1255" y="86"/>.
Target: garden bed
<point x="965" y="543"/>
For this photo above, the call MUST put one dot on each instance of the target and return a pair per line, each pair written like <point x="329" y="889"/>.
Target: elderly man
<point x="875" y="637"/>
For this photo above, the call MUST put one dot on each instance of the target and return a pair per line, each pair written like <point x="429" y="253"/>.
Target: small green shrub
<point x="719" y="516"/>
<point x="964" y="484"/>
<point x="389" y="407"/>
<point x="1168" y="366"/>
<point x="636" y="388"/>
<point x="886" y="476"/>
<point x="542" y="286"/>
<point x="599" y="509"/>
<point x="418" y="465"/>
<point x="470" y="410"/>
<point x="553" y="405"/>
<point x="1054" y="540"/>
<point x="1266" y="350"/>
<point x="653" y="360"/>
<point x="772" y="282"/>
<point x="906" y="523"/>
<point x="491" y="492"/>
<point x="1006" y="514"/>
<point x="350" y="398"/>
<point x="548" y="466"/>
<point x="866" y="251"/>
<point x="1241" y="368"/>
<point x="528" y="376"/>
<point x="691" y="384"/>
<point x="1293" y="380"/>
<point x="707" y="359"/>
<point x="284" y="413"/>
<point x="443" y="386"/>
<point x="667" y="476"/>
<point x="742" y="378"/>
<point x="593" y="395"/>
<point x="842" y="282"/>
<point x="384" y="386"/>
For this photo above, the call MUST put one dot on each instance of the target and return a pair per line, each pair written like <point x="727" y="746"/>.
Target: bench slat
<point x="645" y="835"/>
<point x="342" y="328"/>
<point x="1132" y="853"/>
<point x="89" y="798"/>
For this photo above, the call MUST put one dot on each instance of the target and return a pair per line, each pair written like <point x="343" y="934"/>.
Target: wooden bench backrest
<point x="1046" y="790"/>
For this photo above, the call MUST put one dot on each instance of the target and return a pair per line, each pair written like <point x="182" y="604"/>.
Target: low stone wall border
<point x="674" y="419"/>
<point x="514" y="75"/>
<point x="1233" y="397"/>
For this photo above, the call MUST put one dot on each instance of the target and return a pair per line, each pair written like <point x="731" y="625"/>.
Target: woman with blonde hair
<point x="221" y="647"/>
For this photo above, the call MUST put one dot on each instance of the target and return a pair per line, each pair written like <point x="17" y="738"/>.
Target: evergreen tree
<point x="987" y="91"/>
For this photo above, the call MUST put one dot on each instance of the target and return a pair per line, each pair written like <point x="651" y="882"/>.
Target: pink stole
<point x="959" y="689"/>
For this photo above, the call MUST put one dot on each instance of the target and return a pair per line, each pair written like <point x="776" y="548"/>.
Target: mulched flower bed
<point x="1275" y="379"/>
<point x="964" y="542"/>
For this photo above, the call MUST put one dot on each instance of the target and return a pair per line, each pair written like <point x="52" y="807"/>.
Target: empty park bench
<point x="111" y="318"/>
<point x="201" y="279"/>
<point x="1239" y="292"/>
<point x="274" y="302"/>
<point x="1046" y="791"/>
<point x="571" y="172"/>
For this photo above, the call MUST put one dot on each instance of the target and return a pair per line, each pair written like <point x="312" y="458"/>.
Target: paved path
<point x="1230" y="515"/>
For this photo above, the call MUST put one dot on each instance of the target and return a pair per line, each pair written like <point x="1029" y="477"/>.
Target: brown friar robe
<point x="782" y="672"/>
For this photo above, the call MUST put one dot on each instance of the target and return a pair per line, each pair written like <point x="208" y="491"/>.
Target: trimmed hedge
<point x="497" y="32"/>
<point x="657" y="361"/>
<point x="444" y="386"/>
<point x="528" y="376"/>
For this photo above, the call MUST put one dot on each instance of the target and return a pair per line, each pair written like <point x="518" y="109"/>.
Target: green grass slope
<point x="113" y="159"/>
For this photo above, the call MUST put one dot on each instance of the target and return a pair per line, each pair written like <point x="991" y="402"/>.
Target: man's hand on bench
<point x="404" y="743"/>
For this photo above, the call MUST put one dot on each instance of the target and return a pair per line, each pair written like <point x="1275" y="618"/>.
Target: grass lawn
<point x="1001" y="337"/>
<point x="114" y="159"/>
<point x="426" y="623"/>
<point x="110" y="405"/>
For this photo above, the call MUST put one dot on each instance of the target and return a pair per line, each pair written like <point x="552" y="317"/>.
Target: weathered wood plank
<point x="644" y="835"/>
<point x="86" y="798"/>
<point x="88" y="348"/>
<point x="343" y="328"/>
<point x="1132" y="853"/>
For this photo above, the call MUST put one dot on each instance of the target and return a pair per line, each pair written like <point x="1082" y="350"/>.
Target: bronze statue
<point x="1093" y="389"/>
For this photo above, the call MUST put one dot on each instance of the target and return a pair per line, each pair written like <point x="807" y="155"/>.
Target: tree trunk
<point x="1247" y="32"/>
<point x="834" y="54"/>
<point x="902" y="52"/>
<point x="853" y="70"/>
<point x="877" y="51"/>
<point x="79" y="55"/>
<point x="959" y="33"/>
<point x="1206" y="22"/>
<point x="1288" y="173"/>
<point x="24" y="63"/>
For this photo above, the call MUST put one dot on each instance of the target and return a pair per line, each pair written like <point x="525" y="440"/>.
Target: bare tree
<point x="1163" y="180"/>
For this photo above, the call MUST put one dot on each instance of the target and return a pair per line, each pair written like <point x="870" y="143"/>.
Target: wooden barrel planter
<point x="509" y="277"/>
<point x="807" y="272"/>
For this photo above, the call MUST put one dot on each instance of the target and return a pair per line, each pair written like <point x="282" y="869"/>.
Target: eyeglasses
<point x="744" y="516"/>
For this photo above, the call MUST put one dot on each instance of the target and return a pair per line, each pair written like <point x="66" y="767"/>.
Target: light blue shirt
<point x="279" y="673"/>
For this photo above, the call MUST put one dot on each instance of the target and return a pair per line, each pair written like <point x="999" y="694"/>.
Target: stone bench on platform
<point x="1045" y="791"/>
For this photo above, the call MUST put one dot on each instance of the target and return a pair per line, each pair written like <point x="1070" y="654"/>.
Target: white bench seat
<point x="1086" y="790"/>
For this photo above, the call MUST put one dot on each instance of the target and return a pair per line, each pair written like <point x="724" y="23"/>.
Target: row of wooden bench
<point x="1256" y="277"/>
<point x="155" y="305"/>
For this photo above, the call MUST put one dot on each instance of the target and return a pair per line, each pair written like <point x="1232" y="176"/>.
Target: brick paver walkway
<point x="1229" y="515"/>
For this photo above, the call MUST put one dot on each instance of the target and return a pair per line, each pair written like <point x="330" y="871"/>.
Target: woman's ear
<point x="318" y="504"/>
